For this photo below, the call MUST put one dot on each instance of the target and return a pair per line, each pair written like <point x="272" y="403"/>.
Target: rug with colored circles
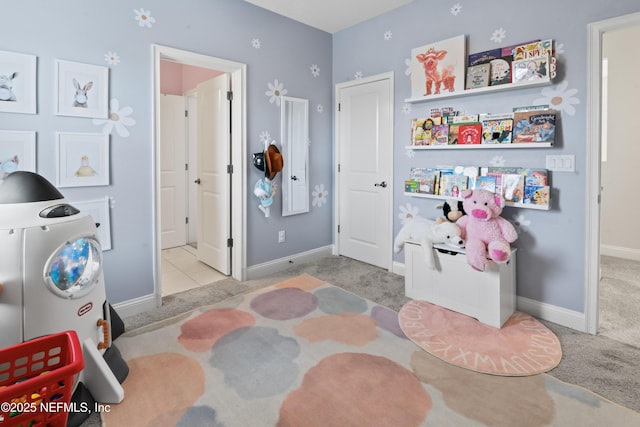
<point x="306" y="353"/>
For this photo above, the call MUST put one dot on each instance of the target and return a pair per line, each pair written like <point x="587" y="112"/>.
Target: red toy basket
<point x="36" y="380"/>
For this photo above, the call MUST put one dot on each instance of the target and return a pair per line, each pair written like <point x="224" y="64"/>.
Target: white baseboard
<point x="135" y="306"/>
<point x="398" y="268"/>
<point x="620" y="252"/>
<point x="260" y="270"/>
<point x="552" y="313"/>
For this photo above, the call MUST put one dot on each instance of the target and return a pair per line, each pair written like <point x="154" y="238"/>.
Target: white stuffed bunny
<point x="428" y="232"/>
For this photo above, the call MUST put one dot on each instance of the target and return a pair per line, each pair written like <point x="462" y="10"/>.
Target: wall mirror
<point x="294" y="127"/>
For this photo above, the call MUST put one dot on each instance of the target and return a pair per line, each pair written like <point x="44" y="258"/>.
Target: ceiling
<point x="330" y="15"/>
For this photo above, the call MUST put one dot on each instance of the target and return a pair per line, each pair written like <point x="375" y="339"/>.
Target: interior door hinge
<point x="186" y="166"/>
<point x="229" y="95"/>
<point x="338" y="228"/>
<point x="186" y="113"/>
<point x="338" y="167"/>
<point x="229" y="243"/>
<point x="229" y="169"/>
<point x="338" y="107"/>
<point x="186" y="220"/>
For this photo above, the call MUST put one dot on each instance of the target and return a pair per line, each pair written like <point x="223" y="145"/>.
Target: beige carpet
<point x="304" y="352"/>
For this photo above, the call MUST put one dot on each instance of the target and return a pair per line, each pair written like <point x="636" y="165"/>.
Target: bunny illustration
<point x="80" y="99"/>
<point x="6" y="87"/>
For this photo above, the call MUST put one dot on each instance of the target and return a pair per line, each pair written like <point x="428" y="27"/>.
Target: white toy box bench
<point x="489" y="296"/>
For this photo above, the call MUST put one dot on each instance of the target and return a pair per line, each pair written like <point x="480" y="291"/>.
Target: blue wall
<point x="273" y="48"/>
<point x="551" y="244"/>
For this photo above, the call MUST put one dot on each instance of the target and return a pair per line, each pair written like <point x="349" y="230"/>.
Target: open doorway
<point x="220" y="190"/>
<point x="612" y="109"/>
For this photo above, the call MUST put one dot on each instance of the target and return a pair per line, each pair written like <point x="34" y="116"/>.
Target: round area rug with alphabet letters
<point x="523" y="346"/>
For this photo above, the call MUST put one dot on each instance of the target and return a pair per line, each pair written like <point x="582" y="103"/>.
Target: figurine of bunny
<point x="80" y="99"/>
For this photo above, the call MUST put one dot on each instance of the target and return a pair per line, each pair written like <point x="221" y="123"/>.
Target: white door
<point x="213" y="180"/>
<point x="192" y="160"/>
<point x="172" y="169"/>
<point x="365" y="165"/>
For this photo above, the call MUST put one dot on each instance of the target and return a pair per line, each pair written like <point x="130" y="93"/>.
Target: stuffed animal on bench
<point x="487" y="234"/>
<point x="428" y="232"/>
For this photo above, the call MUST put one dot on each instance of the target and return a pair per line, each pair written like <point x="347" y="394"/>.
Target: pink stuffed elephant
<point x="487" y="234"/>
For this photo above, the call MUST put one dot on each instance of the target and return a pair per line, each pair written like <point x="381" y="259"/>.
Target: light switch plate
<point x="561" y="163"/>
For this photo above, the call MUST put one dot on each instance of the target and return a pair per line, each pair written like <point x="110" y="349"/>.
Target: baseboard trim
<point x="260" y="270"/>
<point x="135" y="306"/>
<point x="552" y="313"/>
<point x="620" y="252"/>
<point x="398" y="268"/>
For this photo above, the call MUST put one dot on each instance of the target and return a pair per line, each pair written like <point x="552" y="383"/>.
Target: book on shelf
<point x="497" y="128"/>
<point x="530" y="69"/>
<point x="534" y="126"/>
<point x="470" y="133"/>
<point x="483" y="57"/>
<point x="536" y="195"/>
<point x="426" y="179"/>
<point x="486" y="182"/>
<point x="541" y="48"/>
<point x="512" y="188"/>
<point x="508" y="50"/>
<point x="411" y="187"/>
<point x="454" y="129"/>
<point x="464" y="118"/>
<point x="453" y="184"/>
<point x="478" y="76"/>
<point x="439" y="135"/>
<point x="534" y="176"/>
<point x="500" y="71"/>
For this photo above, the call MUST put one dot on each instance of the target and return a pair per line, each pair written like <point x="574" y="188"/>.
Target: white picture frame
<point x="18" y="85"/>
<point x="82" y="90"/>
<point x="17" y="152"/>
<point x="99" y="211"/>
<point x="83" y="159"/>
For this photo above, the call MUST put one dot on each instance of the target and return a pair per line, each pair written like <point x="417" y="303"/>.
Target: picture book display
<point x="518" y="186"/>
<point x="534" y="126"/>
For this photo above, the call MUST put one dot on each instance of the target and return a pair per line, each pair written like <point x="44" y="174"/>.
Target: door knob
<point x="294" y="178"/>
<point x="197" y="181"/>
<point x="382" y="184"/>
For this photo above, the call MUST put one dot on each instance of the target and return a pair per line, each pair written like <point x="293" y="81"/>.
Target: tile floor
<point x="181" y="270"/>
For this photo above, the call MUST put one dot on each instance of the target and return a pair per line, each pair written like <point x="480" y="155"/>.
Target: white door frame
<point x="238" y="73"/>
<point x="336" y="179"/>
<point x="593" y="187"/>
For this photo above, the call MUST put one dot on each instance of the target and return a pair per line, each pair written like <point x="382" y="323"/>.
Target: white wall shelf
<point x="488" y="89"/>
<point x="476" y="146"/>
<point x="511" y="204"/>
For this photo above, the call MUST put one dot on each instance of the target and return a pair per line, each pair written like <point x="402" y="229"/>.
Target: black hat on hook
<point x="258" y="160"/>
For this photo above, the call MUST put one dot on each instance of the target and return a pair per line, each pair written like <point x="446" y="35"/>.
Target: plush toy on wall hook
<point x="452" y="209"/>
<point x="269" y="161"/>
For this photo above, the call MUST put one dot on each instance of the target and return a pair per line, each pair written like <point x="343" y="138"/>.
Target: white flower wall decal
<point x="358" y="75"/>
<point x="407" y="63"/>
<point x="407" y="212"/>
<point x="276" y="90"/>
<point x="112" y="58"/>
<point x="498" y="161"/>
<point x="406" y="108"/>
<point x="144" y="18"/>
<point x="520" y="222"/>
<point x="315" y="70"/>
<point x="265" y="137"/>
<point x="319" y="195"/>
<point x="320" y="108"/>
<point x="387" y="35"/>
<point x="498" y="35"/>
<point x="456" y="9"/>
<point x="118" y="119"/>
<point x="255" y="43"/>
<point x="410" y="153"/>
<point x="559" y="98"/>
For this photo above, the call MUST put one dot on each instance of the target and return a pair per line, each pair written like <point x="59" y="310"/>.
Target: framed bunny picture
<point x="82" y="90"/>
